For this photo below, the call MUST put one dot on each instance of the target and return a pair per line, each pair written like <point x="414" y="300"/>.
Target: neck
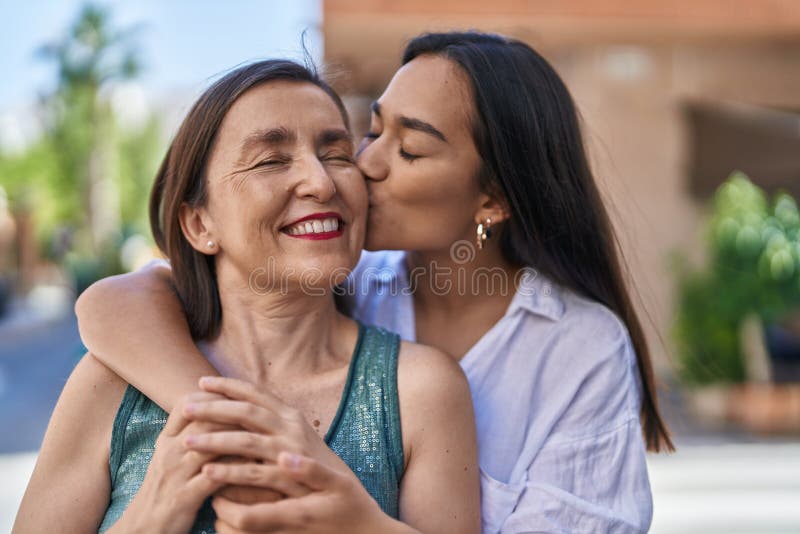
<point x="448" y="280"/>
<point x="276" y="334"/>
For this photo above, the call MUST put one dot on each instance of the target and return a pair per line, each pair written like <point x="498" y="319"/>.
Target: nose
<point x="372" y="160"/>
<point x="315" y="182"/>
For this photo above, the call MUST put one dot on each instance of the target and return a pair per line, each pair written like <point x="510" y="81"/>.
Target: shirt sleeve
<point x="594" y="484"/>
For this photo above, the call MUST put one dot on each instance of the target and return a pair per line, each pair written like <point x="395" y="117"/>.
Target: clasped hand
<point x="266" y="466"/>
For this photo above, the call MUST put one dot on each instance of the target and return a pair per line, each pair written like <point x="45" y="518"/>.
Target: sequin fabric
<point x="365" y="432"/>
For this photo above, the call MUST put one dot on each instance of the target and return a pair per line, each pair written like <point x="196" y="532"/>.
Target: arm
<point x="70" y="485"/>
<point x="440" y="490"/>
<point x="114" y="313"/>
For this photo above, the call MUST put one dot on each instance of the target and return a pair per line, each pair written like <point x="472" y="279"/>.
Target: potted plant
<point x="753" y="270"/>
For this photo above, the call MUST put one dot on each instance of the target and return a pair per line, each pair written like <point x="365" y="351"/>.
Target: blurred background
<point x="691" y="113"/>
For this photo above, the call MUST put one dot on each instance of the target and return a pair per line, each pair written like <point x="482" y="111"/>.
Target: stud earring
<point x="483" y="233"/>
<point x="210" y="244"/>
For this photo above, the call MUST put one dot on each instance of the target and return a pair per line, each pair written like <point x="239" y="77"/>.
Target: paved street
<point x="37" y="354"/>
<point x="35" y="361"/>
<point x="748" y="487"/>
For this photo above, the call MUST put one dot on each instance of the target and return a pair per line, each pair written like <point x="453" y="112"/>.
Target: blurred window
<point x="764" y="143"/>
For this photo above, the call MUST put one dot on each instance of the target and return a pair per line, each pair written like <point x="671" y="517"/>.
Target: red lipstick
<point x="318" y="236"/>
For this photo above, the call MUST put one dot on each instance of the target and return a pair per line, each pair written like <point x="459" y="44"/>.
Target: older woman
<point x="261" y="211"/>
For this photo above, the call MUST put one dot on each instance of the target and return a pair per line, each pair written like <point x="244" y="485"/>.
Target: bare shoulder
<point x="429" y="372"/>
<point x="434" y="396"/>
<point x="440" y="491"/>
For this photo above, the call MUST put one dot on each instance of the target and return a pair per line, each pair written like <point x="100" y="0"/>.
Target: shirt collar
<point x="535" y="293"/>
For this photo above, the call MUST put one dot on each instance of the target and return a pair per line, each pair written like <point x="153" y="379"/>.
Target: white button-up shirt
<point x="556" y="393"/>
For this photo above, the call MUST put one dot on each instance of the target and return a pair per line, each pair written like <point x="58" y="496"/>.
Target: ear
<point x="490" y="207"/>
<point x="198" y="228"/>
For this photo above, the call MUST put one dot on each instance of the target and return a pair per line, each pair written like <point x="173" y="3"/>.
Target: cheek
<point x="352" y="189"/>
<point x="427" y="205"/>
<point x="438" y="197"/>
<point x="247" y="214"/>
<point x="351" y="185"/>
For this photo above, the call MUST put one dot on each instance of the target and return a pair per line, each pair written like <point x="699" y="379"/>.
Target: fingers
<point x="249" y="494"/>
<point x="177" y="420"/>
<point x="204" y="427"/>
<point x="200" y="487"/>
<point x="245" y="414"/>
<point x="242" y="390"/>
<point x="260" y="475"/>
<point x="237" y="443"/>
<point x="309" y="472"/>
<point x="224" y="528"/>
<point x="192" y="462"/>
<point x="281" y="515"/>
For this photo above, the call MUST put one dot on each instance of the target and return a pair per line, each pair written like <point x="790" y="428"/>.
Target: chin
<point x="324" y="271"/>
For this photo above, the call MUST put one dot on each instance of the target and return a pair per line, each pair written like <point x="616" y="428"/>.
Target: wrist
<point x="384" y="523"/>
<point x="133" y="521"/>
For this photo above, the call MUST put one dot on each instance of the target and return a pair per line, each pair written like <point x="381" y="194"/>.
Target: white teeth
<point x="314" y="227"/>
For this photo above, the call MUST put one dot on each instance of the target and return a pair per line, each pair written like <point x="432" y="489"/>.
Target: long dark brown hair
<point x="528" y="135"/>
<point x="182" y="179"/>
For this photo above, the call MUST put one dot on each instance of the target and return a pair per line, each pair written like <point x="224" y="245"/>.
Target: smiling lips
<point x="316" y="226"/>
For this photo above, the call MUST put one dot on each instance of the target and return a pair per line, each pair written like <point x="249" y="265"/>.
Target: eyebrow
<point x="413" y="124"/>
<point x="269" y="136"/>
<point x="333" y="136"/>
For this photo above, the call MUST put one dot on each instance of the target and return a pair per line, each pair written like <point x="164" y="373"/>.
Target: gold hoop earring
<point x="483" y="233"/>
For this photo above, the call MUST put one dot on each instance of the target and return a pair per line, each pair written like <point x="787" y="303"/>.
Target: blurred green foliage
<point x="753" y="246"/>
<point x="63" y="178"/>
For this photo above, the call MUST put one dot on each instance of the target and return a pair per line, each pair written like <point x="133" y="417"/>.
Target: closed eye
<point x="339" y="157"/>
<point x="273" y="162"/>
<point x="408" y="156"/>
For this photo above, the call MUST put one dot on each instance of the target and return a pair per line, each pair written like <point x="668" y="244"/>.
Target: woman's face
<point x="285" y="199"/>
<point x="420" y="160"/>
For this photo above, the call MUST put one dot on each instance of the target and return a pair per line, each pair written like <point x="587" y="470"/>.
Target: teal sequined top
<point x="365" y="431"/>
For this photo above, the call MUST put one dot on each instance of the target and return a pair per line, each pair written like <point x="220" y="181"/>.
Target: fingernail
<point x="189" y="409"/>
<point x="208" y="380"/>
<point x="210" y="470"/>
<point x="191" y="440"/>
